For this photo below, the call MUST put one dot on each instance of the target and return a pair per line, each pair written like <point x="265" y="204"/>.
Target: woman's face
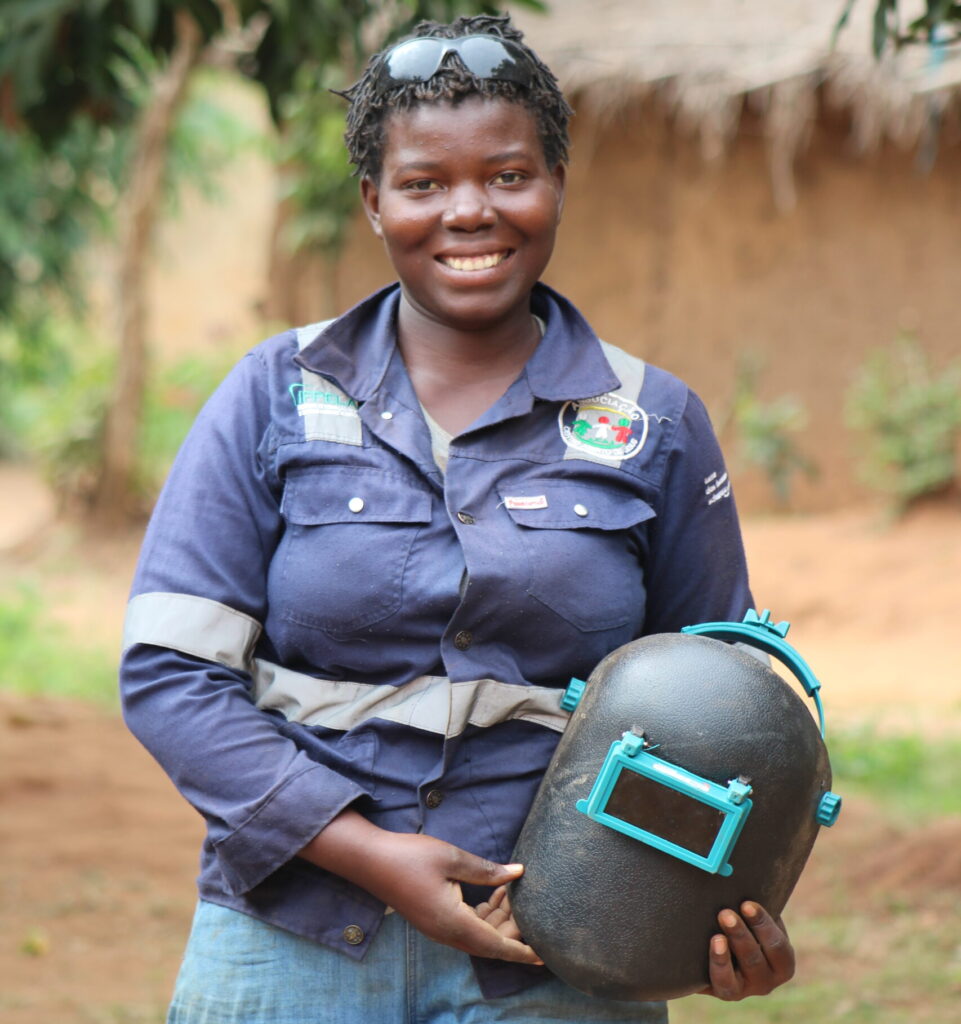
<point x="467" y="208"/>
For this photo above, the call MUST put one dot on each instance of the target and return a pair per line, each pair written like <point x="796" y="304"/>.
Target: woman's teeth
<point x="474" y="262"/>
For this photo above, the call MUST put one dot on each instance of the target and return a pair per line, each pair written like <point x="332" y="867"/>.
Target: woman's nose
<point x="468" y="209"/>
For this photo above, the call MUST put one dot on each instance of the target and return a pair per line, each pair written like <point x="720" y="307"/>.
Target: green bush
<point x="911" y="775"/>
<point x="766" y="430"/>
<point x="910" y="415"/>
<point x="39" y="656"/>
<point x="53" y="413"/>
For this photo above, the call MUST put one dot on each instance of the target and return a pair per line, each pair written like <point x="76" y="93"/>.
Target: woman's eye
<point x="423" y="185"/>
<point x="509" y="178"/>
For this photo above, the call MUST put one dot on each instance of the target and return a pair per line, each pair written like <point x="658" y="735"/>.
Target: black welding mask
<point x="691" y="777"/>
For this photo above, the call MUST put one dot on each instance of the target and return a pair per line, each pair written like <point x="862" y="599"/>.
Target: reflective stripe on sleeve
<point x="215" y="632"/>
<point x="192" y="625"/>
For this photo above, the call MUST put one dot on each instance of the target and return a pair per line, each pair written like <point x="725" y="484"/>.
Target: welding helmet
<point x="690" y="777"/>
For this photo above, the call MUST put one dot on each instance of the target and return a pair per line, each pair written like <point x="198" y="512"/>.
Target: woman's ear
<point x="370" y="196"/>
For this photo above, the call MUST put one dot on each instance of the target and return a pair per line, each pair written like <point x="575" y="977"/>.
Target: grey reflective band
<point x="328" y="413"/>
<point x="432" y="703"/>
<point x="630" y="372"/>
<point x="215" y="632"/>
<point x="192" y="625"/>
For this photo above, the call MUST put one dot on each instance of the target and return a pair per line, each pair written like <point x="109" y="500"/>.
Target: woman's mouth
<point x="474" y="263"/>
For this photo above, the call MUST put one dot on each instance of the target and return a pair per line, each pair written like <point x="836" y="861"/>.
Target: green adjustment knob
<point x="572" y="695"/>
<point x="828" y="809"/>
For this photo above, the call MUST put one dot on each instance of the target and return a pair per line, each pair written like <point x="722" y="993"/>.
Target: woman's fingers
<point x="752" y="957"/>
<point x="480" y="937"/>
<point x="496" y="911"/>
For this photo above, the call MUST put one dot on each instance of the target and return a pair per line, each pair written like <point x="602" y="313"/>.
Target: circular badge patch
<point x="606" y="427"/>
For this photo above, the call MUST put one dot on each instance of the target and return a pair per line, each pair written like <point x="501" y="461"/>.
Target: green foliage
<point x="50" y="204"/>
<point x="766" y="430"/>
<point x="939" y="24"/>
<point x="911" y="416"/>
<point x="914" y="777"/>
<point x="40" y="656"/>
<point x="207" y="136"/>
<point x="175" y="394"/>
<point x="64" y="58"/>
<point x="53" y="411"/>
<point x="315" y="174"/>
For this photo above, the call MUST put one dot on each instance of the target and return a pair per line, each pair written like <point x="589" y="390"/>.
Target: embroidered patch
<point x="328" y="414"/>
<point x="538" y="501"/>
<point x="716" y="487"/>
<point x="608" y="427"/>
<point x="310" y="401"/>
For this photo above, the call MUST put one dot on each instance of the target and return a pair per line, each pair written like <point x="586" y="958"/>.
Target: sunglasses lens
<point x="414" y="61"/>
<point x="493" y="58"/>
<point x="418" y="60"/>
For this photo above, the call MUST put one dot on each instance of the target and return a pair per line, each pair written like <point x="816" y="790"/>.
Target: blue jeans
<point x="237" y="970"/>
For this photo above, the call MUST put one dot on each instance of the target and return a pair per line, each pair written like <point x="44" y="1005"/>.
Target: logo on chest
<point x="608" y="427"/>
<point x="327" y="413"/>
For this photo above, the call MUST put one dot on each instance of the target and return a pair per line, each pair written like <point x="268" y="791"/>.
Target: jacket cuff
<point x="282" y="825"/>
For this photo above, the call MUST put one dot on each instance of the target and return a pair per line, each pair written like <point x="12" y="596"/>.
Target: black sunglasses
<point x="418" y="60"/>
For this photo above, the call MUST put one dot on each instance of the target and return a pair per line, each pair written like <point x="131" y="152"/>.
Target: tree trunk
<point x="114" y="500"/>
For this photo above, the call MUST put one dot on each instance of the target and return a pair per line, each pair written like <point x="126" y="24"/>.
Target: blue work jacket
<point x="306" y="534"/>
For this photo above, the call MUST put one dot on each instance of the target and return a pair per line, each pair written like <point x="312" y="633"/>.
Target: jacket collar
<point x="356" y="349"/>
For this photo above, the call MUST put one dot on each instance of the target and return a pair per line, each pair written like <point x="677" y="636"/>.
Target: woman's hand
<point x="420" y="877"/>
<point x="421" y="880"/>
<point x="751" y="957"/>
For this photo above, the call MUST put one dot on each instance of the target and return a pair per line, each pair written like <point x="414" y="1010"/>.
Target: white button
<point x="356" y="504"/>
<point x="387" y="415"/>
<point x="580" y="510"/>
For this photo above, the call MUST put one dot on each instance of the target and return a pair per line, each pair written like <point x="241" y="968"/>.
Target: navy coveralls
<point x="305" y="534"/>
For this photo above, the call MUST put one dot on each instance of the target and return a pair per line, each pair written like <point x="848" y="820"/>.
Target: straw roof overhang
<point x="709" y="60"/>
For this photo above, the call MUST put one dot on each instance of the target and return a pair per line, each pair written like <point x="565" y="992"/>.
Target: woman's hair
<point x="370" y="107"/>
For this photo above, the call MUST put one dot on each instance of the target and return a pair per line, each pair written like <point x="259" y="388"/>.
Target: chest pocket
<point x="348" y="538"/>
<point x="582" y="560"/>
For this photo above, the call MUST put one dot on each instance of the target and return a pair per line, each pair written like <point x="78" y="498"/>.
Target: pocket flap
<point x="573" y="505"/>
<point x="351" y="494"/>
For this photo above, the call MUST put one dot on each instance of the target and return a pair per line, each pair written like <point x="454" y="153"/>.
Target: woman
<point x="386" y="544"/>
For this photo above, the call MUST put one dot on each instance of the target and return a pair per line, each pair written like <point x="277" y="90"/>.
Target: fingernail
<point x="728" y="919"/>
<point x="749" y="910"/>
<point x="718" y="945"/>
<point x="514" y="867"/>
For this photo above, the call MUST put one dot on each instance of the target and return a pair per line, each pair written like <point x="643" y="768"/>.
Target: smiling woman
<point x="385" y="547"/>
<point x="468" y="209"/>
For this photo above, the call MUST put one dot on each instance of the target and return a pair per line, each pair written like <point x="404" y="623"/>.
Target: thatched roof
<point x="708" y="59"/>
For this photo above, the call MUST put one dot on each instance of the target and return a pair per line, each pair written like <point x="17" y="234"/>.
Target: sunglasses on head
<point x="418" y="60"/>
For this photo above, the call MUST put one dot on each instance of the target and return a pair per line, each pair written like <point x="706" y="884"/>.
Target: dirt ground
<point x="98" y="853"/>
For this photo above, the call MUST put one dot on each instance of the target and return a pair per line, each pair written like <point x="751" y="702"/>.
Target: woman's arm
<point x="202" y="570"/>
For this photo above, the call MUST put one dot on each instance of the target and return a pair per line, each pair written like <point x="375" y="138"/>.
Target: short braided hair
<point x="370" y="108"/>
